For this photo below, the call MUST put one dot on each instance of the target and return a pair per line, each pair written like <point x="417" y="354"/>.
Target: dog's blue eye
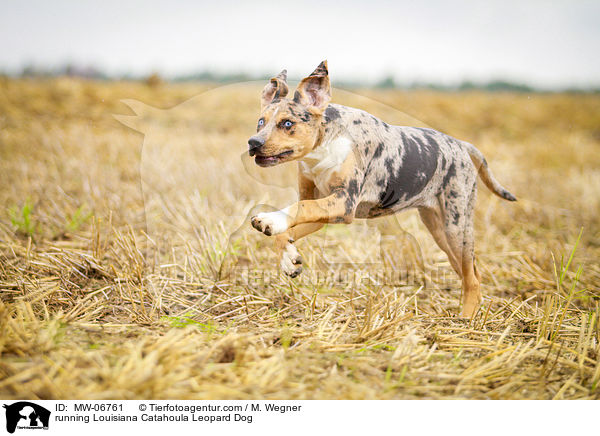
<point x="288" y="124"/>
<point x="261" y="122"/>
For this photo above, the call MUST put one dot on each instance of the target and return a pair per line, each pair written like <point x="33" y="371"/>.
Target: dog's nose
<point x="254" y="143"/>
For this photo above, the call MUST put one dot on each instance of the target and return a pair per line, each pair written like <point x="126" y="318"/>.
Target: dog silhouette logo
<point x="26" y="415"/>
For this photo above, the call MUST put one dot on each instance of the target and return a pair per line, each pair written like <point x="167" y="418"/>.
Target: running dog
<point x="354" y="165"/>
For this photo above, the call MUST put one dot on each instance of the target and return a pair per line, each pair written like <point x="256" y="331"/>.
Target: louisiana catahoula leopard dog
<point x="354" y="165"/>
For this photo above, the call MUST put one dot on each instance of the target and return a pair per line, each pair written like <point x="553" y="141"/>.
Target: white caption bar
<point x="90" y="418"/>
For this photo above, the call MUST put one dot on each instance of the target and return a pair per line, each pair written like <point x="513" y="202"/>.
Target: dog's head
<point x="287" y="128"/>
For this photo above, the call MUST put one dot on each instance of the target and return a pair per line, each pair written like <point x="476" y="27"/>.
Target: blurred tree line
<point x="387" y="82"/>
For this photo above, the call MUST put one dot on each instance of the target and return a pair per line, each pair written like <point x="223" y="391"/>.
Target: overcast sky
<point x="543" y="43"/>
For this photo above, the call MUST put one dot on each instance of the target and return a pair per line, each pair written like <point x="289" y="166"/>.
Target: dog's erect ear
<point x="276" y="88"/>
<point x="315" y="91"/>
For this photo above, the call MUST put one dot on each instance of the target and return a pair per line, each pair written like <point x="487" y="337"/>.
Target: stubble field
<point x="128" y="268"/>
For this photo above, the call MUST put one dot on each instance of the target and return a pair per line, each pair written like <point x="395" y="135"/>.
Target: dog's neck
<point x="326" y="157"/>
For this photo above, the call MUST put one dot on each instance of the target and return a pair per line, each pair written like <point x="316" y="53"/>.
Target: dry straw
<point x="108" y="290"/>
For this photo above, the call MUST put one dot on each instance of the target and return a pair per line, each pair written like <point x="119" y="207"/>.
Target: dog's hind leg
<point x="458" y="227"/>
<point x="433" y="218"/>
<point x="471" y="278"/>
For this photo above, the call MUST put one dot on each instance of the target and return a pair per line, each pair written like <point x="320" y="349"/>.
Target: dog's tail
<point x="486" y="175"/>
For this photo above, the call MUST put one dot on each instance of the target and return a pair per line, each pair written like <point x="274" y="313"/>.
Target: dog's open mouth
<point x="267" y="161"/>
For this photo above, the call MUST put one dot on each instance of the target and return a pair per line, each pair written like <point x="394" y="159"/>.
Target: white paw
<point x="291" y="261"/>
<point x="271" y="223"/>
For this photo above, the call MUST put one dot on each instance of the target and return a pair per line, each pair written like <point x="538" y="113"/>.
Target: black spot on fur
<point x="378" y="150"/>
<point x="305" y="116"/>
<point x="352" y="193"/>
<point x="356" y="122"/>
<point x="421" y="144"/>
<point x="366" y="177"/>
<point x="419" y="163"/>
<point x="389" y="164"/>
<point x="449" y="174"/>
<point x="331" y="114"/>
<point x="375" y="120"/>
<point x="455" y="217"/>
<point x="430" y="135"/>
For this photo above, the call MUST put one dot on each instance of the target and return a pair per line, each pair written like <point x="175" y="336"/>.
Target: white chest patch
<point x="324" y="161"/>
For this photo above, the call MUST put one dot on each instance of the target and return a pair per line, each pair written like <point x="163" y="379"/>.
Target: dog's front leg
<point x="310" y="216"/>
<point x="336" y="208"/>
<point x="290" y="260"/>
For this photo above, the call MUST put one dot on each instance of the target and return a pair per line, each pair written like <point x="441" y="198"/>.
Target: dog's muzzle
<point x="254" y="144"/>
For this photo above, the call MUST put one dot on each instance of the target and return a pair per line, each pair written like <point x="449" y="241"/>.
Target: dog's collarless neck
<point x="325" y="160"/>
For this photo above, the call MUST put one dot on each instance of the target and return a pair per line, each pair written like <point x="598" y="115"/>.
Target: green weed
<point x="77" y="219"/>
<point x="186" y="321"/>
<point x="22" y="220"/>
